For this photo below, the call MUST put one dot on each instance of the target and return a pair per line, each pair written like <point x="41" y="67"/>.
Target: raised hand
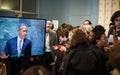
<point x="4" y="56"/>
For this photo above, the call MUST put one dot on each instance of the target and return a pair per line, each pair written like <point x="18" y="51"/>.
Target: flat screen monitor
<point x="36" y="33"/>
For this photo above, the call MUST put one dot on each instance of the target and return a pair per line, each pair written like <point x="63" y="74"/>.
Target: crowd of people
<point x="80" y="50"/>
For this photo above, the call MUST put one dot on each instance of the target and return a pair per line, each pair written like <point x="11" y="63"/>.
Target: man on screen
<point x="20" y="45"/>
<point x="17" y="47"/>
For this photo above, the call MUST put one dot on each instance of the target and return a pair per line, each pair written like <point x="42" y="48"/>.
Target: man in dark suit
<point x="12" y="46"/>
<point x="16" y="48"/>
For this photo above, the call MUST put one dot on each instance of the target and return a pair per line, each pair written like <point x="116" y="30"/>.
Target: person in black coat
<point x="101" y="49"/>
<point x="79" y="59"/>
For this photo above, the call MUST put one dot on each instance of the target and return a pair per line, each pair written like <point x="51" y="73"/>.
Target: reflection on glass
<point x="29" y="7"/>
<point x="10" y="4"/>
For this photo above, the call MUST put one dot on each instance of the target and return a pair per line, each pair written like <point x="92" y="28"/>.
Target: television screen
<point x="36" y="32"/>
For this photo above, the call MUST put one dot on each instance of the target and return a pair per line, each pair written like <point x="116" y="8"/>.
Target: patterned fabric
<point x="106" y="9"/>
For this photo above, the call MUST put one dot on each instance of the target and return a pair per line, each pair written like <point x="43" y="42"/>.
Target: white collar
<point x="19" y="38"/>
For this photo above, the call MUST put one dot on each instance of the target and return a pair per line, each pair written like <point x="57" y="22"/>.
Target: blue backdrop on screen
<point x="36" y="32"/>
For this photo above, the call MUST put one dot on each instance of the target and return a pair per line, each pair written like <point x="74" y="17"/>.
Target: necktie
<point x="19" y="47"/>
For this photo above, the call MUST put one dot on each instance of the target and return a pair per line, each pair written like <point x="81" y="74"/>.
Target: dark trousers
<point x="19" y="64"/>
<point x="15" y="66"/>
<point x="47" y="60"/>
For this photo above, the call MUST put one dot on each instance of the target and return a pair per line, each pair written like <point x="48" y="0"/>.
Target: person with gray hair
<point x="16" y="48"/>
